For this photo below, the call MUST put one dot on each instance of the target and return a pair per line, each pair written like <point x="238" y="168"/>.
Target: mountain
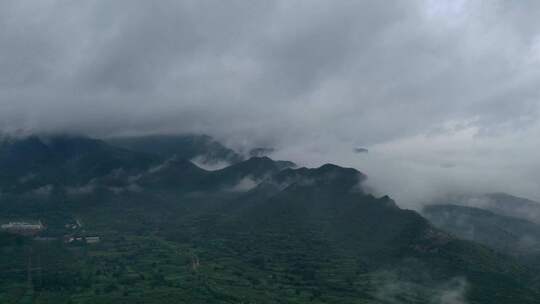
<point x="34" y="162"/>
<point x="337" y="238"/>
<point x="508" y="234"/>
<point x="182" y="175"/>
<point x="202" y="149"/>
<point x="500" y="203"/>
<point x="261" y="151"/>
<point x="257" y="231"/>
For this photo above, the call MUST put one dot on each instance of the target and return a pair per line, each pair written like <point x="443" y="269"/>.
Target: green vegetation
<point x="173" y="233"/>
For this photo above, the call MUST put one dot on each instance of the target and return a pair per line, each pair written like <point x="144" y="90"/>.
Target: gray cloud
<point x="420" y="83"/>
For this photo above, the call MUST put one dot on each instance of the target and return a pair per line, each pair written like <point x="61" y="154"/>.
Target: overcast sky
<point x="444" y="94"/>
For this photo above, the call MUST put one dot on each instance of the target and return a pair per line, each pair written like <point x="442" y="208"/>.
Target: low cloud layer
<point x="393" y="289"/>
<point x="444" y="94"/>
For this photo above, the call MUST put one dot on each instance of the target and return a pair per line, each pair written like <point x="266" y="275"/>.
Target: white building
<point x="22" y="226"/>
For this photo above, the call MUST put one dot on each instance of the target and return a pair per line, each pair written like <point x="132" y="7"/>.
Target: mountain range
<point x="258" y="230"/>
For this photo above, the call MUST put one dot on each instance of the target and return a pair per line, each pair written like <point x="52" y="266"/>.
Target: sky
<point x="443" y="94"/>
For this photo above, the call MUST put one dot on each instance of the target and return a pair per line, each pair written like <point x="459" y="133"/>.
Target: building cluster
<point x="82" y="239"/>
<point x="33" y="229"/>
<point x="23" y="228"/>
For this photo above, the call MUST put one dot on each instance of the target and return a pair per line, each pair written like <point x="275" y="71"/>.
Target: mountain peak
<point x="328" y="175"/>
<point x="187" y="146"/>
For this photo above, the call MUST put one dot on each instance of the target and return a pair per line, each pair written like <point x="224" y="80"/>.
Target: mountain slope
<point x="200" y="148"/>
<point x="341" y="236"/>
<point x="507" y="234"/>
<point x="500" y="203"/>
<point x="38" y="161"/>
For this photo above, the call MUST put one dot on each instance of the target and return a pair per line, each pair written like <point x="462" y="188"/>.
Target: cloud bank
<point x="444" y="94"/>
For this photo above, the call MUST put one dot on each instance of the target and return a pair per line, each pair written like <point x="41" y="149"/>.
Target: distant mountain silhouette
<point x="500" y="203"/>
<point x="507" y="234"/>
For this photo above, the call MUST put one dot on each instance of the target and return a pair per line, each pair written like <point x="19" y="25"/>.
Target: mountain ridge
<point x="258" y="230"/>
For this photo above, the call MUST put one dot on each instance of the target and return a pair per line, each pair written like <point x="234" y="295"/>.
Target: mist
<point x="443" y="94"/>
